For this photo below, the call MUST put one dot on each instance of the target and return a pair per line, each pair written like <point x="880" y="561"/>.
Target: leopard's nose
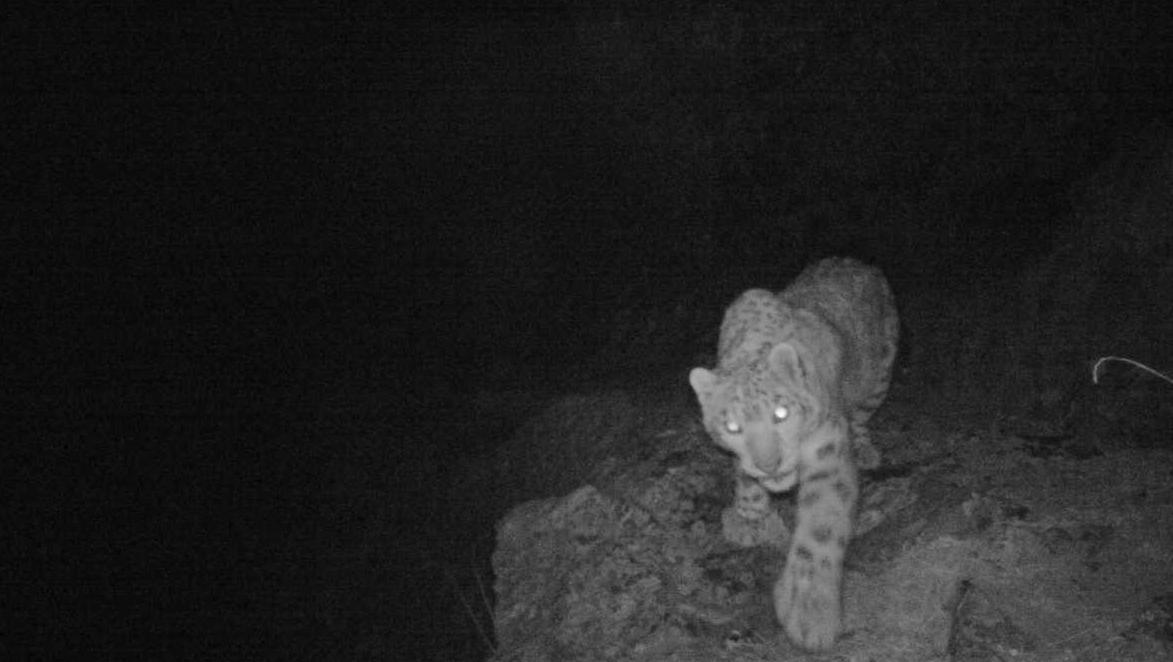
<point x="766" y="455"/>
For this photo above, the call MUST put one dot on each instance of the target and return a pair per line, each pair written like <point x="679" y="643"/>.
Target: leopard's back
<point x="855" y="300"/>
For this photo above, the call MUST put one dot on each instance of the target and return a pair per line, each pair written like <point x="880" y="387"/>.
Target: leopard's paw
<point x="767" y="529"/>
<point x="807" y="609"/>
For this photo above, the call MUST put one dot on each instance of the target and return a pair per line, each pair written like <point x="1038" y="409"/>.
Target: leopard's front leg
<point x="751" y="520"/>
<point x="807" y="597"/>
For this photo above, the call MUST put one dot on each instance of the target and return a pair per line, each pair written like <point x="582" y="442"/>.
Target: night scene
<point x="589" y="330"/>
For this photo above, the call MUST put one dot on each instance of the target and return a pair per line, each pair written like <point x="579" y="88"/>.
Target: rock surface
<point x="970" y="550"/>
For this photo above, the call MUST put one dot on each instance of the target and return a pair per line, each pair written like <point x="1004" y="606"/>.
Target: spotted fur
<point x="798" y="375"/>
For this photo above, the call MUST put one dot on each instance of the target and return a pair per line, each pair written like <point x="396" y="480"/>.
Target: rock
<point x="618" y="568"/>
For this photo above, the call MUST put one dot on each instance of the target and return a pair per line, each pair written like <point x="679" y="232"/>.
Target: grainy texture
<point x="799" y="374"/>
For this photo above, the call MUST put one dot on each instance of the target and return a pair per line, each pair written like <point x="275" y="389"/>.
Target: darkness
<point x="223" y="222"/>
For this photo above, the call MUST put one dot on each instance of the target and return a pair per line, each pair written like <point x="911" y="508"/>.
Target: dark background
<point x="238" y="238"/>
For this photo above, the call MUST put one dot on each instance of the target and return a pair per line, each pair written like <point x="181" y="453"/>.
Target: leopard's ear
<point x="702" y="381"/>
<point x="785" y="362"/>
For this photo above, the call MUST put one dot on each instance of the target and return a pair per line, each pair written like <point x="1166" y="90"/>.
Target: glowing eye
<point x="780" y="413"/>
<point x="732" y="427"/>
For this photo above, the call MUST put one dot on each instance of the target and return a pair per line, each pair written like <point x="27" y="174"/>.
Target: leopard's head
<point x="761" y="410"/>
